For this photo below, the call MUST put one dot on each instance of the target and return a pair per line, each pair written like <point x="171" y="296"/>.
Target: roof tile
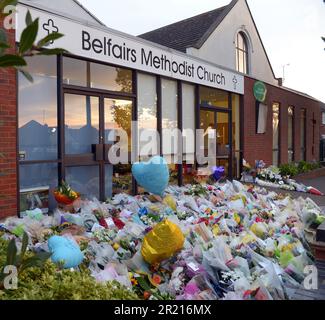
<point x="189" y="32"/>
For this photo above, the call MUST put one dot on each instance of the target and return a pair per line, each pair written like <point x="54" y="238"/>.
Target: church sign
<point x="113" y="47"/>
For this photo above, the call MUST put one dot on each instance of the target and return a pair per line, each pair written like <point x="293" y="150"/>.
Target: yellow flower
<point x="216" y="230"/>
<point x="116" y="246"/>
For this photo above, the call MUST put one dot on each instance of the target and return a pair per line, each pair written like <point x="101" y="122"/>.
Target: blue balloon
<point x="218" y="172"/>
<point x="65" y="250"/>
<point x="152" y="175"/>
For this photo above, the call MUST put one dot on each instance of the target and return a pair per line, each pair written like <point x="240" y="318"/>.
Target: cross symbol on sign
<point x="235" y="81"/>
<point x="50" y="27"/>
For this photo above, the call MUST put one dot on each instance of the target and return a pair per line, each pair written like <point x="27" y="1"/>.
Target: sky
<point x="291" y="31"/>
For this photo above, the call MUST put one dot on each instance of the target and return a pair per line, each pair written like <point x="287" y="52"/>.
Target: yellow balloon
<point x="162" y="242"/>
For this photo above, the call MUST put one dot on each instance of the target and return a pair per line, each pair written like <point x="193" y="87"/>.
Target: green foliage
<point x="293" y="169"/>
<point x="65" y="189"/>
<point x="50" y="283"/>
<point x="4" y="3"/>
<point x="28" y="37"/>
<point x="304" y="166"/>
<point x="27" y="46"/>
<point x="48" y="39"/>
<point x="39" y="279"/>
<point x="9" y="60"/>
<point x="197" y="190"/>
<point x="289" y="169"/>
<point x="21" y="261"/>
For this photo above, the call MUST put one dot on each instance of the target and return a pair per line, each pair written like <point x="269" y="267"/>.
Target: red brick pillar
<point x="8" y="137"/>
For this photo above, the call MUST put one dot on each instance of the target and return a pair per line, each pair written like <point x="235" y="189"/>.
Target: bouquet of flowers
<point x="65" y="195"/>
<point x="197" y="190"/>
<point x="271" y="174"/>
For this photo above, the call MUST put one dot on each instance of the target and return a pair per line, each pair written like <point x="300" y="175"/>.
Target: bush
<point x="289" y="169"/>
<point x="49" y="283"/>
<point x="304" y="166"/>
<point x="293" y="169"/>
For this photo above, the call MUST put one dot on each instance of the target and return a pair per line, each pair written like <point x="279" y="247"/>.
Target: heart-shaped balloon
<point x="65" y="250"/>
<point x="152" y="175"/>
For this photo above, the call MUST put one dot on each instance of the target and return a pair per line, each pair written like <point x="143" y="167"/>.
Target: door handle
<point x="98" y="151"/>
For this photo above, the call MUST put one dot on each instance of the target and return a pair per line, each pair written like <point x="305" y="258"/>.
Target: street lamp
<point x="283" y="69"/>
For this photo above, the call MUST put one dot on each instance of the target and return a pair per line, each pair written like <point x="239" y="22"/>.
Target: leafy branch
<point x="20" y="261"/>
<point x="28" y="46"/>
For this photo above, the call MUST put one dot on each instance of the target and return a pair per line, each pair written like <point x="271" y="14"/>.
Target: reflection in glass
<point x="169" y="104"/>
<point x="241" y="53"/>
<point x="38" y="110"/>
<point x="84" y="180"/>
<point x="276" y="124"/>
<point x="189" y="173"/>
<point x="213" y="98"/>
<point x="122" y="178"/>
<point x="147" y="109"/>
<point x="290" y="134"/>
<point x="188" y="100"/>
<point x="236" y="135"/>
<point x="81" y="123"/>
<point x="108" y="181"/>
<point x="118" y="115"/>
<point x="74" y="72"/>
<point x="208" y="125"/>
<point x="110" y="78"/>
<point x="169" y="123"/>
<point x="222" y="134"/>
<point x="38" y="176"/>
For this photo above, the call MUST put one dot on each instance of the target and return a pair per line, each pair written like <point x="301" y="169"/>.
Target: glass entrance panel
<point x="276" y="136"/>
<point x="85" y="180"/>
<point x="118" y="123"/>
<point x="81" y="123"/>
<point x="303" y="134"/>
<point x="208" y="125"/>
<point x="223" y="134"/>
<point x="223" y="142"/>
<point x="216" y="126"/>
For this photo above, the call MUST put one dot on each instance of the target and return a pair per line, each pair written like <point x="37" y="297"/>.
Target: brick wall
<point x="8" y="138"/>
<point x="259" y="146"/>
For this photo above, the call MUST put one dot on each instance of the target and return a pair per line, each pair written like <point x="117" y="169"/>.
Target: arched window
<point x="241" y="53"/>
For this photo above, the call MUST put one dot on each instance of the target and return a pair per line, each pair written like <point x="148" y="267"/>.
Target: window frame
<point x="278" y="149"/>
<point x="63" y="88"/>
<point x="244" y="51"/>
<point x="303" y="144"/>
<point x="292" y="150"/>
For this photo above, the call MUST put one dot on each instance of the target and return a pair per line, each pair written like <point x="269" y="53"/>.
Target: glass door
<point x="81" y="134"/>
<point x="208" y="123"/>
<point x="92" y="125"/>
<point x="216" y="126"/>
<point x="118" y="123"/>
